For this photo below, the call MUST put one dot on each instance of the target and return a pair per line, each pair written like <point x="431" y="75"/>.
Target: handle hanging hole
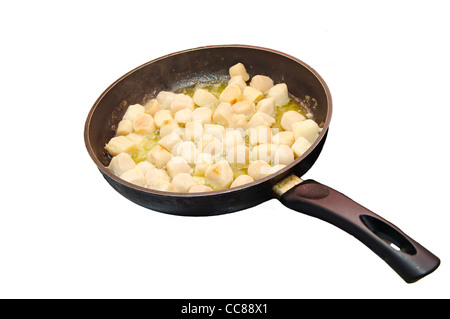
<point x="387" y="233"/>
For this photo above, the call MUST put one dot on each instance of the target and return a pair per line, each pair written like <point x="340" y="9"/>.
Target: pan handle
<point x="408" y="258"/>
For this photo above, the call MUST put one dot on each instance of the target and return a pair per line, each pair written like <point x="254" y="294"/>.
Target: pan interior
<point x="185" y="69"/>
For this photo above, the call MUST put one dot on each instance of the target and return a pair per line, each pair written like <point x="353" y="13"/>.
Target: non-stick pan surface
<point x="205" y="64"/>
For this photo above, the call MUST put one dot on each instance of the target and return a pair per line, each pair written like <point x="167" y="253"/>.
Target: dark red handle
<point x="408" y="258"/>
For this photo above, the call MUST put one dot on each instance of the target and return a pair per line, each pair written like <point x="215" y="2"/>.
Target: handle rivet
<point x="312" y="191"/>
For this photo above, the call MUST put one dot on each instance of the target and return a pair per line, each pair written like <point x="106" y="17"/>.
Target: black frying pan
<point x="186" y="68"/>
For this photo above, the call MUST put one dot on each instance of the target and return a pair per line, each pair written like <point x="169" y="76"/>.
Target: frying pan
<point x="210" y="63"/>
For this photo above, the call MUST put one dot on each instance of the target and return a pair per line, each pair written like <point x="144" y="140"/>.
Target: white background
<point x="65" y="233"/>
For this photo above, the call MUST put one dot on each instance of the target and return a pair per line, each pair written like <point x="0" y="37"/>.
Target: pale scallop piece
<point x="121" y="163"/>
<point x="300" y="146"/>
<point x="144" y="166"/>
<point x="158" y="179"/>
<point x="202" y="163"/>
<point x="280" y="94"/>
<point x="261" y="119"/>
<point x="134" y="176"/>
<point x="262" y="83"/>
<point x="121" y="144"/>
<point x="259" y="169"/>
<point x="284" y="137"/>
<point x="133" y="111"/>
<point x="276" y="168"/>
<point x="251" y="94"/>
<point x="135" y="138"/>
<point x="162" y="117"/>
<point x="283" y="155"/>
<point x="259" y="135"/>
<point x="216" y="130"/>
<point x="165" y="99"/>
<point x="231" y="94"/>
<point x="176" y="165"/>
<point x="200" y="189"/>
<point x="169" y="141"/>
<point x="244" y="107"/>
<point x="237" y="80"/>
<point x="152" y="107"/>
<point x="125" y="127"/>
<point x="183" y="116"/>
<point x="187" y="150"/>
<point x="169" y="127"/>
<point x="159" y="156"/>
<point x="307" y="128"/>
<point x="237" y="121"/>
<point x="211" y="145"/>
<point x="193" y="131"/>
<point x="202" y="114"/>
<point x="143" y="124"/>
<point x="233" y="137"/>
<point x="267" y="106"/>
<point x="222" y="113"/>
<point x="162" y="186"/>
<point x="239" y="69"/>
<point x="155" y="174"/>
<point x="238" y="155"/>
<point x="182" y="182"/>
<point x="204" y="98"/>
<point x="264" y="152"/>
<point x="289" y="118"/>
<point x="242" y="180"/>
<point x="219" y="175"/>
<point x="181" y="101"/>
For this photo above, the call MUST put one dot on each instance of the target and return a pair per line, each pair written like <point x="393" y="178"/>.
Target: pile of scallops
<point x="205" y="141"/>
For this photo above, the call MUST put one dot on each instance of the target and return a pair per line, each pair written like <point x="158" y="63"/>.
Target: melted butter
<point x="148" y="143"/>
<point x="292" y="105"/>
<point x="238" y="170"/>
<point x="215" y="88"/>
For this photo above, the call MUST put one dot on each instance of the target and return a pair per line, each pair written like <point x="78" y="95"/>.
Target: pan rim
<point x="289" y="167"/>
